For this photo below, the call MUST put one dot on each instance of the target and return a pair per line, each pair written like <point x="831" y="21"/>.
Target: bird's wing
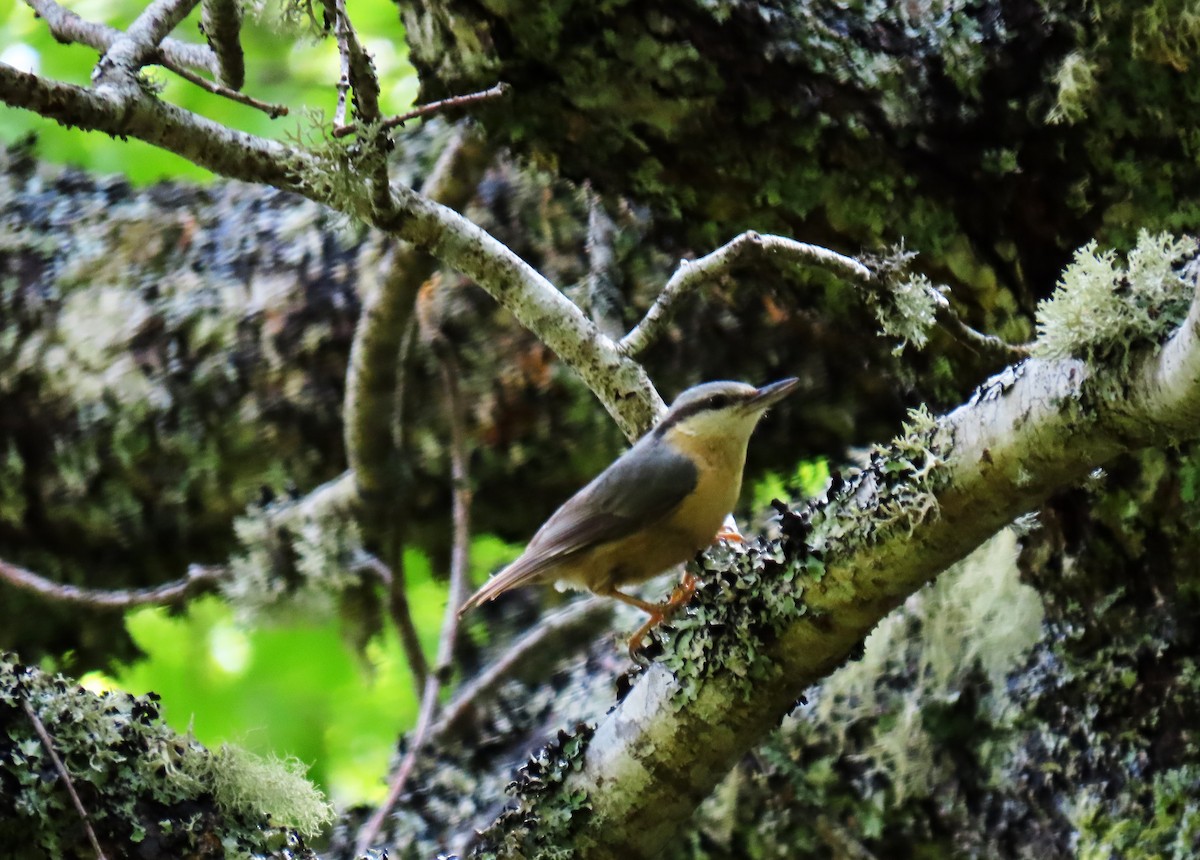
<point x="642" y="486"/>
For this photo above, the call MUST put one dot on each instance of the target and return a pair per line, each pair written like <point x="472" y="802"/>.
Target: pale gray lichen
<point x="295" y="567"/>
<point x="977" y="617"/>
<point x="1103" y="307"/>
<point x="904" y="303"/>
<point x="1077" y="85"/>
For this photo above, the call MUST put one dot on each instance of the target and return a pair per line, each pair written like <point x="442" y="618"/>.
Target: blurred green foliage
<point x="295" y="689"/>
<point x="806" y="480"/>
<point x="284" y="65"/>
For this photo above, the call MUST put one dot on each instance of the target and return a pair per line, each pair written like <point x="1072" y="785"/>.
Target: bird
<point x="654" y="507"/>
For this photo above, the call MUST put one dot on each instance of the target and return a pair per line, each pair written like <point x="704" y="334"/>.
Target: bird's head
<point x="723" y="409"/>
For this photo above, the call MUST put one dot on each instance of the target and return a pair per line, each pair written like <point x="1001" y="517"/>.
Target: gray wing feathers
<point x="642" y="486"/>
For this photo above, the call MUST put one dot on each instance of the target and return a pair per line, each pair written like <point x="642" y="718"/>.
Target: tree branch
<point x="691" y="275"/>
<point x="605" y="301"/>
<point x="620" y="383"/>
<point x="221" y="21"/>
<point x="136" y="46"/>
<point x="199" y="578"/>
<point x="357" y="69"/>
<point x="67" y="27"/>
<point x="940" y="491"/>
<point x="578" y="622"/>
<point x="427" y="109"/>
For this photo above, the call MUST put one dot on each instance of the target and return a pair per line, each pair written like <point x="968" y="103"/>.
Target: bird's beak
<point x="769" y="395"/>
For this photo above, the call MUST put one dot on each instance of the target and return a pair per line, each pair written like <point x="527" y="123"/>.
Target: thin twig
<point x="62" y="772"/>
<point x="68" y="27"/>
<point x="988" y="343"/>
<point x="691" y="275"/>
<point x="274" y="111"/>
<point x="357" y="69"/>
<point x="578" y="621"/>
<point x="199" y="578"/>
<point x="401" y="614"/>
<point x="457" y="593"/>
<point x="430" y="108"/>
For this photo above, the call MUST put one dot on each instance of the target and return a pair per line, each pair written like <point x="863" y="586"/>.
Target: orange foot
<point x="729" y="532"/>
<point x="662" y="611"/>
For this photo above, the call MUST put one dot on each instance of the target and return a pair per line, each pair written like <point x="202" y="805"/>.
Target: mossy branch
<point x="779" y="616"/>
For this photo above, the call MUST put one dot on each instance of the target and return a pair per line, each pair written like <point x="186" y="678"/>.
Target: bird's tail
<point x="522" y="571"/>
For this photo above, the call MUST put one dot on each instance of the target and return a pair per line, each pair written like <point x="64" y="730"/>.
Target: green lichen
<point x="140" y="783"/>
<point x="904" y="303"/>
<point x="1167" y="32"/>
<point x="268" y="787"/>
<point x="1077" y="86"/>
<point x="1104" y="307"/>
<point x="540" y="824"/>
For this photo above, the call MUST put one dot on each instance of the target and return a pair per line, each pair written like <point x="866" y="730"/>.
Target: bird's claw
<point x="681" y="596"/>
<point x="729" y="532"/>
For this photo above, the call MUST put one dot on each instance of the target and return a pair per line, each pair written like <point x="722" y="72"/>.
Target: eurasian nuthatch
<point x="656" y="506"/>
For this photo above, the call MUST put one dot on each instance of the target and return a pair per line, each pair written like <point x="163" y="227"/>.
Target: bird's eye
<point x="718" y="401"/>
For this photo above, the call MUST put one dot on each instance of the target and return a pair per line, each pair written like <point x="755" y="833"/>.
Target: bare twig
<point x="67" y="27"/>
<point x="221" y="21"/>
<point x="44" y="735"/>
<point x="427" y="109"/>
<point x="988" y="343"/>
<point x="274" y="111"/>
<point x="199" y="578"/>
<point x="604" y="298"/>
<point x="577" y="622"/>
<point x="401" y="614"/>
<point x="457" y="593"/>
<point x="691" y="275"/>
<point x="136" y="46"/>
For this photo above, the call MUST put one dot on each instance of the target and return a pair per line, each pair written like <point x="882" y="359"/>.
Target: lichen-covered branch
<point x="779" y="617"/>
<point x="143" y="786"/>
